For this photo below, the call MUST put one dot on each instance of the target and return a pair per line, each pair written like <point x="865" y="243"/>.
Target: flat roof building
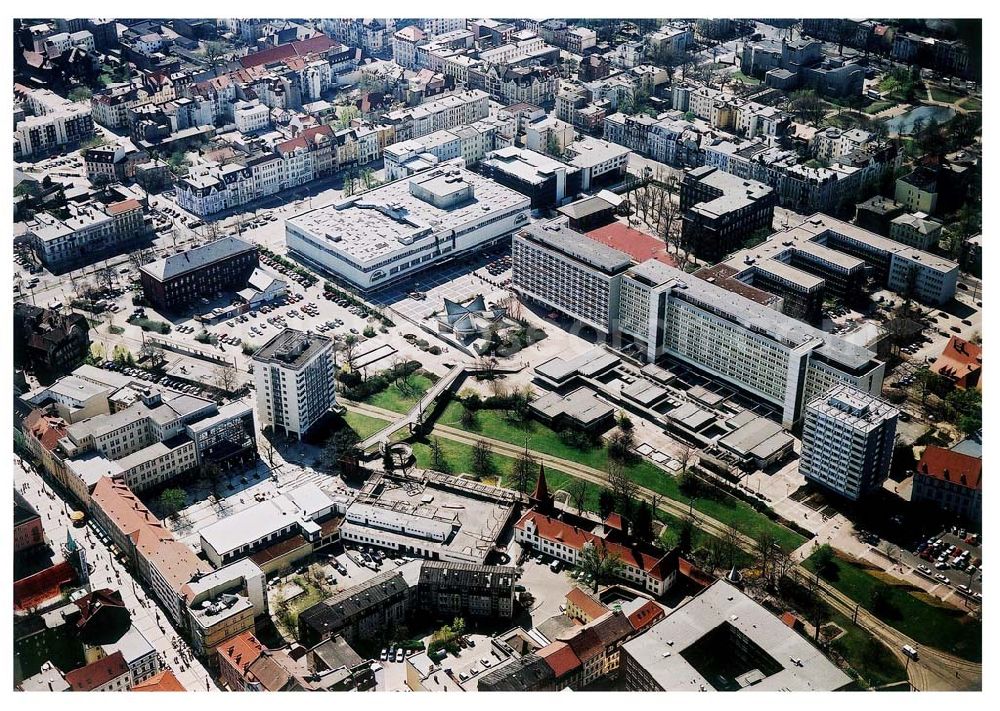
<point x="847" y="441"/>
<point x="294" y="379"/>
<point x="719" y="211"/>
<point x="405" y="226"/>
<point x="721" y="640"/>
<point x="567" y="271"/>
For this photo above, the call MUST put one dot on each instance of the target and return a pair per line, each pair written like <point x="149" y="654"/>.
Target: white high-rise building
<point x="294" y="375"/>
<point x="847" y="441"/>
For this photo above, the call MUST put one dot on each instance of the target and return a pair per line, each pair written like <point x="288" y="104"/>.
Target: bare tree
<point x="621" y="485"/>
<point x="105" y="277"/>
<point x="226" y="378"/>
<point x="578" y="490"/>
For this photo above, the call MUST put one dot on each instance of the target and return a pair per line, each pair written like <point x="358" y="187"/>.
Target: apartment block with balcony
<point x="570" y="273"/>
<point x="847" y="441"/>
<point x="294" y="379"/>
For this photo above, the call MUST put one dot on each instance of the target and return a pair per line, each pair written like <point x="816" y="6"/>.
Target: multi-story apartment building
<point x="364" y="610"/>
<point x="251" y="116"/>
<point x="53" y="124"/>
<point x="91" y="231"/>
<point x="719" y="211"/>
<point x="157" y="558"/>
<point x="945" y="56"/>
<point x="951" y="482"/>
<point x="437" y="213"/>
<point x="154" y="439"/>
<point x="448" y="112"/>
<point x="294" y="377"/>
<point x="174" y="282"/>
<point x="916" y="230"/>
<point x="847" y="441"/>
<point x="404" y="46"/>
<point x="746" y="343"/>
<point x="569" y="272"/>
<point x="47" y="342"/>
<point x="448" y="590"/>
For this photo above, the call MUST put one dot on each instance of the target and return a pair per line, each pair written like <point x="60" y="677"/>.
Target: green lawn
<point x="972" y="104"/>
<point x="744" y="79"/>
<point x="870" y="659"/>
<point x="945" y="628"/>
<point x="364" y="425"/>
<point x="944" y="95"/>
<point x="458" y="456"/>
<point x="727" y="509"/>
<point x="393" y="399"/>
<point x="877" y="106"/>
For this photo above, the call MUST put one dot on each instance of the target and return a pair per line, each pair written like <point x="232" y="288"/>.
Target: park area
<point x="907" y="608"/>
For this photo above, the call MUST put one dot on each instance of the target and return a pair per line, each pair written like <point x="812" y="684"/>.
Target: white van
<point x="910" y="652"/>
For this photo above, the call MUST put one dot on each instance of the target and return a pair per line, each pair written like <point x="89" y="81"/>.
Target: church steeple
<point x="540" y="497"/>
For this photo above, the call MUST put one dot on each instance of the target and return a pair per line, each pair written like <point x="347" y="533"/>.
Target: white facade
<point x="251" y="116"/>
<point x="294" y="375"/>
<point x="847" y="441"/>
<point x="441" y="212"/>
<point x="770" y="355"/>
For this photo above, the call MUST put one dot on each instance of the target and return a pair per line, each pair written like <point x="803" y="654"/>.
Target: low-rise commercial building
<point x="916" y="230"/>
<point x="434" y="215"/>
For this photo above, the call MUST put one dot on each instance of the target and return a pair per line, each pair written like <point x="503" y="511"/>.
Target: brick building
<point x="174" y="282"/>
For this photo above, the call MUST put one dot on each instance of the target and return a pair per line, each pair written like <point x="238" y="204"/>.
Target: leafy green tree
<point x="824" y="560"/>
<point x="340" y="449"/>
<point x="172" y="501"/>
<point x="80" y="93"/>
<point x="600" y="563"/>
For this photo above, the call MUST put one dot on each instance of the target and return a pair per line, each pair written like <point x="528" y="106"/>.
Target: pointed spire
<point x="541" y="498"/>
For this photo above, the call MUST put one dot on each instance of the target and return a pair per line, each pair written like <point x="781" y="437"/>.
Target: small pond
<point x="903" y="124"/>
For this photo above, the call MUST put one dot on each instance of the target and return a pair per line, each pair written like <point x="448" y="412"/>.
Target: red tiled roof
<point x="638" y="245"/>
<point x="47" y="429"/>
<point x="693" y="573"/>
<point x="790" y="619"/>
<point x="164" y="681"/>
<point x="646" y="615"/>
<point x="240" y="652"/>
<point x="560" y="657"/>
<point x="97" y="673"/>
<point x="553" y="529"/>
<point x="117" y="208"/>
<point x="90" y="604"/>
<point x="303" y="139"/>
<point x="591" y="608"/>
<point x="959" y="359"/>
<point x="319" y="43"/>
<point x="955" y="467"/>
<point x="614" y="520"/>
